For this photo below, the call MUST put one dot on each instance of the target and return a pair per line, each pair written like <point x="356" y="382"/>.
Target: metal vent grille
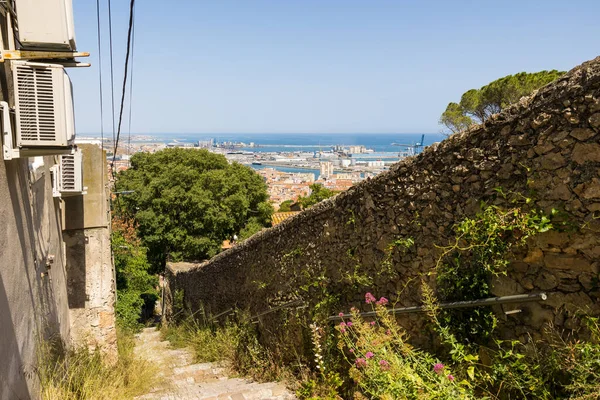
<point x="35" y="98"/>
<point x="69" y="179"/>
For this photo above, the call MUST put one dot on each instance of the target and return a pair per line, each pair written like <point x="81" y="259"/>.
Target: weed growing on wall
<point x="401" y="244"/>
<point x="479" y="252"/>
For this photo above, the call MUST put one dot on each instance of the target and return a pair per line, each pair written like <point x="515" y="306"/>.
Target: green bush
<point x="135" y="285"/>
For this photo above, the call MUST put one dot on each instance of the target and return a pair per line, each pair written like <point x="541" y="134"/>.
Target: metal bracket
<point x="42" y="55"/>
<point x="7" y="137"/>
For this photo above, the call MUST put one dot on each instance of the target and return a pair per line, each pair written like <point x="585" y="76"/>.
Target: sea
<point x="309" y="142"/>
<point x="385" y="146"/>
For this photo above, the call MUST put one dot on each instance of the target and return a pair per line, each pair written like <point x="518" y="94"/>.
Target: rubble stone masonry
<point x="546" y="148"/>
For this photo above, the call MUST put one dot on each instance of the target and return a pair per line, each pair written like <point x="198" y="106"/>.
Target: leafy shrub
<point x="478" y="253"/>
<point x="135" y="285"/>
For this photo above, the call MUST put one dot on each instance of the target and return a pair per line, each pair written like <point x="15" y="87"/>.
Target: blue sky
<point x="310" y="66"/>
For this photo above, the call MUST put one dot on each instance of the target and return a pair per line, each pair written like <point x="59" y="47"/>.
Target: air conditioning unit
<point x="46" y="25"/>
<point x="67" y="176"/>
<point x="43" y="105"/>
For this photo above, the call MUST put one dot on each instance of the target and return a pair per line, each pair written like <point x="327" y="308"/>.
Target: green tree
<point x="318" y="194"/>
<point x="285" y="206"/>
<point x="186" y="202"/>
<point x="455" y="119"/>
<point x="477" y="105"/>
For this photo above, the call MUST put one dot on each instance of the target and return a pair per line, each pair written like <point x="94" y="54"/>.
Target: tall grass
<point x="209" y="345"/>
<point x="233" y="344"/>
<point x="81" y="374"/>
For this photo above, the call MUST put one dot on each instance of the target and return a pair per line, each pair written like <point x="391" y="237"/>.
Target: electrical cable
<point x="100" y="75"/>
<point x="112" y="75"/>
<point x="131" y="90"/>
<point x="124" y="90"/>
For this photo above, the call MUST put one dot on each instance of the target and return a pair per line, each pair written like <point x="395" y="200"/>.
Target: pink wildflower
<point x="372" y="323"/>
<point x="353" y="309"/>
<point x="388" y="332"/>
<point x="341" y="314"/>
<point x="383" y="301"/>
<point x="384" y="365"/>
<point x="342" y="323"/>
<point x="351" y="350"/>
<point x="343" y="330"/>
<point x="369" y="298"/>
<point x="438" y="368"/>
<point x="360" y="362"/>
<point x="369" y="355"/>
<point x="450" y="377"/>
<point x="349" y="323"/>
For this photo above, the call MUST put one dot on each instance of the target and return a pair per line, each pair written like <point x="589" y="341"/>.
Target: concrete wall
<point x="545" y="148"/>
<point x="90" y="272"/>
<point x="33" y="294"/>
<point x="53" y="284"/>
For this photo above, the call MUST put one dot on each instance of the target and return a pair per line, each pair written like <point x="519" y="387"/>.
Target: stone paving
<point x="183" y="379"/>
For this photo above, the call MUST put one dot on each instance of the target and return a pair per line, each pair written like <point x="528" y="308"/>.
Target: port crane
<point x="411" y="149"/>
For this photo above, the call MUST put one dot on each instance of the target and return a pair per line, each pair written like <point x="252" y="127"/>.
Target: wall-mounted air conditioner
<point x="45" y="24"/>
<point x="67" y="175"/>
<point x="43" y="105"/>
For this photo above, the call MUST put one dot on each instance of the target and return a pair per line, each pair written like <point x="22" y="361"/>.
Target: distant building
<point x="326" y="169"/>
<point x="179" y="144"/>
<point x="206" y="144"/>
<point x="378" y="164"/>
<point x="352" y="176"/>
<point x="345" y="162"/>
<point x="357" y="149"/>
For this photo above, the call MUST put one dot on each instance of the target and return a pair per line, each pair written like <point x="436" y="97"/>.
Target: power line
<point x="129" y="37"/>
<point x="100" y="75"/>
<point x="112" y="74"/>
<point x="131" y="87"/>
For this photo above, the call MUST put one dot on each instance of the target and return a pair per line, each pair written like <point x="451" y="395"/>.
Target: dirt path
<point x="184" y="379"/>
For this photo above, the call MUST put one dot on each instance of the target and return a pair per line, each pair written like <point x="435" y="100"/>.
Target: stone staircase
<point x="183" y="379"/>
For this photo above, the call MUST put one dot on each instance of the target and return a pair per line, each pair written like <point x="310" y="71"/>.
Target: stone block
<point x="595" y="120"/>
<point x="552" y="161"/>
<point x="586" y="152"/>
<point x="534" y="256"/>
<point x="504" y="285"/>
<point x="546" y="280"/>
<point x="564" y="262"/>
<point x="582" y="134"/>
<point x="589" y="190"/>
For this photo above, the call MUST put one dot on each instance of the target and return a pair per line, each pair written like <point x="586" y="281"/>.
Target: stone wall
<point x="545" y="148"/>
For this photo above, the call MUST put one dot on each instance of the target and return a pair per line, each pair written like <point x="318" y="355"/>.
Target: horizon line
<point x="266" y="133"/>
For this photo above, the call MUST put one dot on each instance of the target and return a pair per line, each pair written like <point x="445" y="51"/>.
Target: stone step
<point x="186" y="380"/>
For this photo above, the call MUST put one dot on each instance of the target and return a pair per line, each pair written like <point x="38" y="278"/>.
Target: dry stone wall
<point x="546" y="148"/>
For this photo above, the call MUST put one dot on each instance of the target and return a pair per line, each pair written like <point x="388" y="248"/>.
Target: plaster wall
<point x="33" y="284"/>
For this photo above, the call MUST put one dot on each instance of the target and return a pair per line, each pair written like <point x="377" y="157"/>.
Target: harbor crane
<point x="410" y="149"/>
